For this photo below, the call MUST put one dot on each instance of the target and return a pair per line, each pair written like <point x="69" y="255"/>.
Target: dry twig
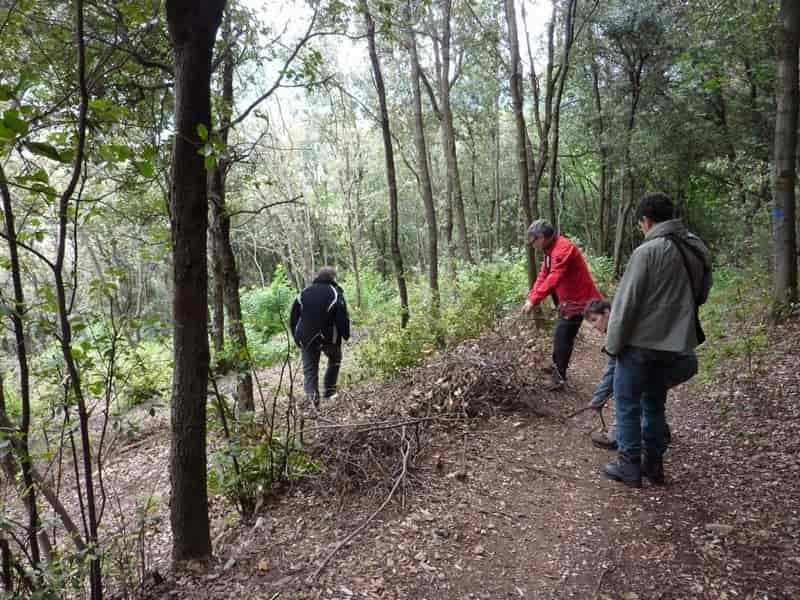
<point x="405" y="448"/>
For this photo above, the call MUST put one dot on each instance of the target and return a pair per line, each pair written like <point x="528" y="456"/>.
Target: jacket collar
<point x="665" y="228"/>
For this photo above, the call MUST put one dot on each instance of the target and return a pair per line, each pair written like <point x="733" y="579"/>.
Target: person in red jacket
<point x="565" y="277"/>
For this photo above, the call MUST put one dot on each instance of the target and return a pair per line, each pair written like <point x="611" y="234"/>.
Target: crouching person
<point x="597" y="313"/>
<point x="319" y="323"/>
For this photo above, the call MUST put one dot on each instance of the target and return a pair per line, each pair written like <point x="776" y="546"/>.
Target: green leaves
<point x="12" y="125"/>
<point x="12" y="121"/>
<point x="49" y="151"/>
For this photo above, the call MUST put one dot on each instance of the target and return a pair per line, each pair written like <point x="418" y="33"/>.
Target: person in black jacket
<point x="319" y="323"/>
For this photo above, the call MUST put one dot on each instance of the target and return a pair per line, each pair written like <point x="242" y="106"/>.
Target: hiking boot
<point x="601" y="439"/>
<point x="653" y="468"/>
<point x="625" y="470"/>
<point x="557" y="381"/>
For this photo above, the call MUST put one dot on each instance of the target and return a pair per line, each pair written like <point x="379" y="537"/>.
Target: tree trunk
<point x="454" y="190"/>
<point x="519" y="121"/>
<point x="634" y="70"/>
<point x="495" y="237"/>
<point x="569" y="36"/>
<point x="391" y="177"/>
<point x="784" y="215"/>
<point x="192" y="28"/>
<point x="218" y="290"/>
<point x="425" y="177"/>
<point x="65" y="326"/>
<point x="24" y="373"/>
<point x="221" y="231"/>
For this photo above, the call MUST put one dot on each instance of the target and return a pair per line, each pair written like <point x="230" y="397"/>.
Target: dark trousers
<point x="311" y="356"/>
<point x="564" y="342"/>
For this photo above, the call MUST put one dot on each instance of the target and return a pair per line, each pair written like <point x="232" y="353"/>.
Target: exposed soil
<point x="511" y="504"/>
<point x="507" y="502"/>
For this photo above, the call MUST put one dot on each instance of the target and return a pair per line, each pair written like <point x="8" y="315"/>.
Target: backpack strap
<point x="701" y="336"/>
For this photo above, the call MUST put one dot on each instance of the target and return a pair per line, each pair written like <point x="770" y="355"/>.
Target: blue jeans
<point x="641" y="381"/>
<point x="311" y="356"/>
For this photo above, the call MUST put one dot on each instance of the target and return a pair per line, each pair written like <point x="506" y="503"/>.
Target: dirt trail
<point x="533" y="518"/>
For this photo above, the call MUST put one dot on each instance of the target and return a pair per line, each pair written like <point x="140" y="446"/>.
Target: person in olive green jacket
<point x="653" y="322"/>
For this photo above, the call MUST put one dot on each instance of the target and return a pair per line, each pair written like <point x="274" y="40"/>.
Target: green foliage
<point x="265" y="311"/>
<point x="602" y="268"/>
<point x="734" y="318"/>
<point x="376" y="293"/>
<point x="470" y="302"/>
<point x="388" y="350"/>
<point x="246" y="467"/>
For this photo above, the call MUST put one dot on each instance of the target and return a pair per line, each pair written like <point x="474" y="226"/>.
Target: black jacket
<point x="320" y="312"/>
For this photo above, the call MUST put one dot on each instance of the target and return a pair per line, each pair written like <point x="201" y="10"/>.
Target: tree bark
<point x="221" y="232"/>
<point x="604" y="208"/>
<point x="569" y="36"/>
<point x="391" y="176"/>
<point x="784" y="223"/>
<point x="22" y="362"/>
<point x="634" y="65"/>
<point x="425" y="178"/>
<point x="192" y="28"/>
<point x="454" y="190"/>
<point x="519" y="121"/>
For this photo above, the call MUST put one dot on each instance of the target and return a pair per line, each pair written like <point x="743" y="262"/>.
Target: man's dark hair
<point x="596" y="307"/>
<point x="326" y="274"/>
<point x="657" y="206"/>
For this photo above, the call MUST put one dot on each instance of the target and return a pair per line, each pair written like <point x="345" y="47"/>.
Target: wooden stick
<point x="404" y="449"/>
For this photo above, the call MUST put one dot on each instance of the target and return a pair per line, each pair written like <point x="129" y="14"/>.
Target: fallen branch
<point x="368" y="426"/>
<point x="405" y="448"/>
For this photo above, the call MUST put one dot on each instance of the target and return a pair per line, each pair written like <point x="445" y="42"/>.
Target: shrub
<point x="262" y="460"/>
<point x="734" y="318"/>
<point x="470" y="302"/>
<point x="265" y="310"/>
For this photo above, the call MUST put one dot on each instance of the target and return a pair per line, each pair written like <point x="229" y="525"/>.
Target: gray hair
<point x="541" y="227"/>
<point x="326" y="274"/>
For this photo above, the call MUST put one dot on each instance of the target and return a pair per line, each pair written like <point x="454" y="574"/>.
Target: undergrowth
<point x="735" y="319"/>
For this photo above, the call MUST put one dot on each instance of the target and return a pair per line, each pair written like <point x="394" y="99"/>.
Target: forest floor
<point x="513" y="504"/>
<point x="509" y="503"/>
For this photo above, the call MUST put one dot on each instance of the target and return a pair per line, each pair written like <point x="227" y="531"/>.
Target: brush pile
<point x="359" y="440"/>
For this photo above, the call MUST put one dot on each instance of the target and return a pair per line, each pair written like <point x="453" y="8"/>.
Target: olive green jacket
<point x="654" y="307"/>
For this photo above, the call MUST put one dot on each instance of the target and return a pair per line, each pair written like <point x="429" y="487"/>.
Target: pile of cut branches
<point x="358" y="440"/>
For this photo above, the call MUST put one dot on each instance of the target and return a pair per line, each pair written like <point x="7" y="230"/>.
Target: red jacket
<point x="564" y="272"/>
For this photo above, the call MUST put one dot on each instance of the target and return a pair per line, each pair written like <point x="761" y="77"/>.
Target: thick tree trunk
<point x="391" y="176"/>
<point x="519" y="121"/>
<point x="784" y="222"/>
<point x="192" y="28"/>
<point x="425" y="177"/>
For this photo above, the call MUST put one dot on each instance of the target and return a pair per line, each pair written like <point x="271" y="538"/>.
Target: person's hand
<point x="527" y="308"/>
<point x="597" y="406"/>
